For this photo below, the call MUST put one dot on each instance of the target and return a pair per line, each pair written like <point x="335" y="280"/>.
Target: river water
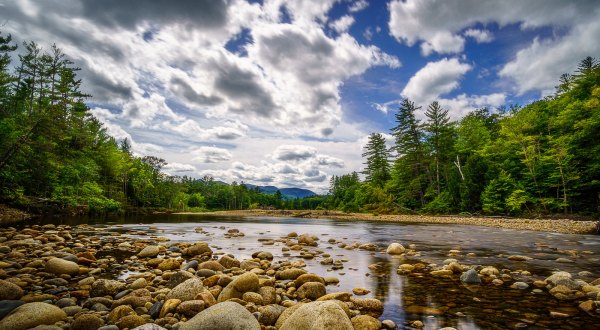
<point x="436" y="302"/>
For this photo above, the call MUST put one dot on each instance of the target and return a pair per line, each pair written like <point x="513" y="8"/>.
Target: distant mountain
<point x="288" y="193"/>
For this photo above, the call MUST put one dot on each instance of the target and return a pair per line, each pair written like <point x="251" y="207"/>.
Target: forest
<point x="543" y="158"/>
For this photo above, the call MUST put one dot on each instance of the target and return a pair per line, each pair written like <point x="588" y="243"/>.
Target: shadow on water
<point x="434" y="301"/>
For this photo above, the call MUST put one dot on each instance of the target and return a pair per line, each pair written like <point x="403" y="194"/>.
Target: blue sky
<point x="286" y="92"/>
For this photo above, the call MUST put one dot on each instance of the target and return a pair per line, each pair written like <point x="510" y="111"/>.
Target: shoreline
<point x="563" y="226"/>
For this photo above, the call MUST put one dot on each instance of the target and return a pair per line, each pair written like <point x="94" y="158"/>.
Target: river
<point x="437" y="302"/>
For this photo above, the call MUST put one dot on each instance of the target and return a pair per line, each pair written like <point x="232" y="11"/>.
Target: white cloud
<point x="481" y="36"/>
<point x="435" y="79"/>
<point x="462" y="104"/>
<point x="211" y="155"/>
<point x="179" y="169"/>
<point x="358" y="5"/>
<point x="342" y="24"/>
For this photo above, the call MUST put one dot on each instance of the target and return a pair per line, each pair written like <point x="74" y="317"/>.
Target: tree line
<point x="543" y="158"/>
<point x="55" y="154"/>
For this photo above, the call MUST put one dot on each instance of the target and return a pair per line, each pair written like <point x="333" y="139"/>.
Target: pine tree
<point x="439" y="139"/>
<point x="377" y="169"/>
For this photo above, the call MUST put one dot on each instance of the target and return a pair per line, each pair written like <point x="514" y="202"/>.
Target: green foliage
<point x="196" y="200"/>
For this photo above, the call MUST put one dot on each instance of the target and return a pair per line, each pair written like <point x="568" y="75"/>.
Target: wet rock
<point x="395" y="248"/>
<point x="489" y="271"/>
<point x="519" y="258"/>
<point x="149" y="251"/>
<point x="149" y="326"/>
<point x="253" y="297"/>
<point x="87" y="322"/>
<point x="589" y="307"/>
<point x="31" y="315"/>
<point x="369" y="306"/>
<point x="138" y="284"/>
<point x="389" y="324"/>
<point x="268" y="294"/>
<point x="442" y="272"/>
<point x="325" y="315"/>
<point x="60" y="266"/>
<point x="563" y="278"/>
<point x="519" y="285"/>
<point x="211" y="265"/>
<point x="305" y="278"/>
<point x="206" y="273"/>
<point x="341" y="296"/>
<point x="187" y="290"/>
<point x="327" y="261"/>
<point x="191" y="307"/>
<point x="422" y="310"/>
<point x="360" y="291"/>
<point x="470" y="277"/>
<point x="226" y="315"/>
<point x="104" y="287"/>
<point x="249" y="265"/>
<point x="190" y="265"/>
<point x="270" y="313"/>
<point x="240" y="285"/>
<point x="154" y="311"/>
<point x="72" y="310"/>
<point x="307" y="239"/>
<point x="10" y="291"/>
<point x="311" y="290"/>
<point x="365" y="322"/>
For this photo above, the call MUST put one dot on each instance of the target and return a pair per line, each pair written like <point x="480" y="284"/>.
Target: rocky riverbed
<point x="99" y="277"/>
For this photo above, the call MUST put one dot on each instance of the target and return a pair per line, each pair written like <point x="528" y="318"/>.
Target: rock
<point x="104" y="287"/>
<point x="270" y="313"/>
<point x="253" y="297"/>
<point x="589" y="307"/>
<point x="405" y="268"/>
<point x="169" y="307"/>
<point x="120" y="312"/>
<point x="178" y="278"/>
<point x="72" y="310"/>
<point x="87" y="322"/>
<point x="365" y="322"/>
<point x="190" y="265"/>
<point x="138" y="284"/>
<point x="60" y="266"/>
<point x="442" y="272"/>
<point x="422" y="310"/>
<point x="360" y="291"/>
<point x="307" y="239"/>
<point x="31" y="315"/>
<point x="226" y="316"/>
<point x="169" y="264"/>
<point x="564" y="260"/>
<point x="519" y="258"/>
<point x="389" y="324"/>
<point x="563" y="278"/>
<point x="191" y="307"/>
<point x="323" y="315"/>
<point x="187" y="290"/>
<point x="395" y="248"/>
<point x="311" y="290"/>
<point x="7" y="306"/>
<point x="470" y="277"/>
<point x="229" y="262"/>
<point x="130" y="322"/>
<point x="341" y="296"/>
<point x="268" y="294"/>
<point x="240" y="285"/>
<point x="198" y="249"/>
<point x="10" y="291"/>
<point x="290" y="274"/>
<point x="370" y="306"/>
<point x="149" y="326"/>
<point x="149" y="251"/>
<point x="65" y="302"/>
<point x="249" y="265"/>
<point x="519" y="286"/>
<point x="154" y="311"/>
<point x="304" y="278"/>
<point x="489" y="271"/>
<point x="211" y="265"/>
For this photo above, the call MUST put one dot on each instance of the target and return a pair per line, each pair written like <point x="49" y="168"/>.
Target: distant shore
<point x="565" y="226"/>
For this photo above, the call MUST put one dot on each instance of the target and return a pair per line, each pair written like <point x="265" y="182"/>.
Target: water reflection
<point x="435" y="302"/>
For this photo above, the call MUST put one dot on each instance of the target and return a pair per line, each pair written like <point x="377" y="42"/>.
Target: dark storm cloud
<point x="128" y="13"/>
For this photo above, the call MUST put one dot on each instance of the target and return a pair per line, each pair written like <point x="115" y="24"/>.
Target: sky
<point x="285" y="93"/>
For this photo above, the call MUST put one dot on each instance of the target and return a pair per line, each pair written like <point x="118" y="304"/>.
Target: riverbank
<point x="564" y="226"/>
<point x="10" y="215"/>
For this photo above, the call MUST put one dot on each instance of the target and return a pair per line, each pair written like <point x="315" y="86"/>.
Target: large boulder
<point x="10" y="291"/>
<point x="240" y="285"/>
<point x="225" y="316"/>
<point x="323" y="315"/>
<point x="31" y="315"/>
<point x="188" y="290"/>
<point x="60" y="266"/>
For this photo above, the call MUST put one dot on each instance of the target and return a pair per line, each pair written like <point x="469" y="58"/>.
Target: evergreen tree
<point x="439" y="138"/>
<point x="377" y="169"/>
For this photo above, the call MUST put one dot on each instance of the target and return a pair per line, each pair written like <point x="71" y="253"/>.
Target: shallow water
<point x="484" y="307"/>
